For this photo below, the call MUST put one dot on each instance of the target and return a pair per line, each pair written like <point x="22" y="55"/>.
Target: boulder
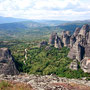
<point x="85" y="64"/>
<point x="7" y="65"/>
<point x="43" y="43"/>
<point x="74" y="65"/>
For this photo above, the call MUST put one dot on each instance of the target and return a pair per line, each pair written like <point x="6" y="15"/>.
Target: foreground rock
<point x="49" y="82"/>
<point x="7" y="65"/>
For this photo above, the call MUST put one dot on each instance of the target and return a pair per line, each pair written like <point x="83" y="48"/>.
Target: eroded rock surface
<point x="74" y="65"/>
<point x="49" y="82"/>
<point x="66" y="38"/>
<point x="7" y="65"/>
<point x="55" y="41"/>
<point x="80" y="47"/>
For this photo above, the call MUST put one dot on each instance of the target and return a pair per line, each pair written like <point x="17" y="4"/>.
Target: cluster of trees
<point x="45" y="62"/>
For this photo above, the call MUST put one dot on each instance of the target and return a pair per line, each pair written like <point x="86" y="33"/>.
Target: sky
<point x="46" y="9"/>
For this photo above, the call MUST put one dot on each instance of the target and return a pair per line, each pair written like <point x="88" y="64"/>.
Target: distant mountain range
<point x="13" y="28"/>
<point x="10" y="20"/>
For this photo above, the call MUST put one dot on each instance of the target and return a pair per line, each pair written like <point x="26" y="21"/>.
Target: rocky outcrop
<point x="52" y="38"/>
<point x="75" y="52"/>
<point x="85" y="64"/>
<point x="79" y="42"/>
<point x="7" y="65"/>
<point x="77" y="30"/>
<point x="55" y="41"/>
<point x="74" y="65"/>
<point x="66" y="38"/>
<point x="43" y="43"/>
<point x="49" y="82"/>
<point x="84" y="30"/>
<point x="72" y="41"/>
<point x="80" y="47"/>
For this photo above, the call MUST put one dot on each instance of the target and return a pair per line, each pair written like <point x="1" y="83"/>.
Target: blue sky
<point x="46" y="9"/>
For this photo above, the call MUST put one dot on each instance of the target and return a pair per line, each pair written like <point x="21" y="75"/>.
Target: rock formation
<point x="72" y="40"/>
<point x="85" y="64"/>
<point x="7" y="65"/>
<point x="79" y="44"/>
<point x="66" y="38"/>
<point x="76" y="32"/>
<point x="80" y="47"/>
<point x="43" y="43"/>
<point x="74" y="65"/>
<point x="55" y="41"/>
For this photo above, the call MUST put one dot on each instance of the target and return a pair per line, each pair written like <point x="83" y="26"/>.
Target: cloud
<point x="46" y="9"/>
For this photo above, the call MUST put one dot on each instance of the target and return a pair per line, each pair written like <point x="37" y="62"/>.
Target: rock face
<point x="79" y="44"/>
<point x="55" y="41"/>
<point x="7" y="65"/>
<point x="43" y="43"/>
<point x="66" y="38"/>
<point x="80" y="47"/>
<point x="48" y="82"/>
<point x="74" y="65"/>
<point x="72" y="40"/>
<point x="76" y="32"/>
<point x="85" y="64"/>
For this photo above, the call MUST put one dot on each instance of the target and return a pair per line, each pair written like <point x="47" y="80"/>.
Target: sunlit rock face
<point x="80" y="47"/>
<point x="7" y="65"/>
<point x="85" y="64"/>
<point x="52" y="38"/>
<point x="79" y="42"/>
<point x="66" y="38"/>
<point x="84" y="30"/>
<point x="77" y="30"/>
<point x="55" y="40"/>
<point x="74" y="65"/>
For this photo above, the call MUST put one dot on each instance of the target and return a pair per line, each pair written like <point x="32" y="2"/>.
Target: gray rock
<point x="74" y="65"/>
<point x="66" y="38"/>
<point x="77" y="30"/>
<point x="85" y="64"/>
<point x="43" y="43"/>
<point x="55" y="41"/>
<point x="7" y="65"/>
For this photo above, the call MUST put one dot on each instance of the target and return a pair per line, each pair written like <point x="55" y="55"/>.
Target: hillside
<point x="10" y="20"/>
<point x="36" y="29"/>
<point x="71" y="26"/>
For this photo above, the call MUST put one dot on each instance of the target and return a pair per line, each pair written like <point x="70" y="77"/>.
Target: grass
<point x="6" y="85"/>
